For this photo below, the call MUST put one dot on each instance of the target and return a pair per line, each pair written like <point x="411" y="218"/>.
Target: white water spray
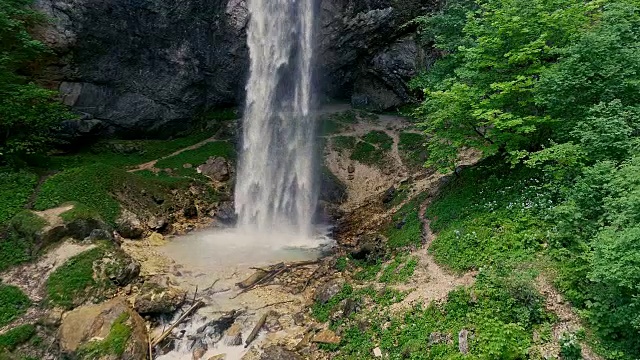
<point x="275" y="188"/>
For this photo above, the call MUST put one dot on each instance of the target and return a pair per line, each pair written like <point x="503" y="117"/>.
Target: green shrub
<point x="20" y="240"/>
<point x="94" y="188"/>
<point x="13" y="303"/>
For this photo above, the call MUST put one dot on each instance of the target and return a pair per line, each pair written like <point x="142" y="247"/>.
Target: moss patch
<point x="16" y="337"/>
<point x="13" y="303"/>
<point x="412" y="149"/>
<point x="18" y="243"/>
<point x="94" y="187"/>
<point x="73" y="283"/>
<point x="379" y="138"/>
<point x="197" y="157"/>
<point x="15" y="190"/>
<point x="114" y="344"/>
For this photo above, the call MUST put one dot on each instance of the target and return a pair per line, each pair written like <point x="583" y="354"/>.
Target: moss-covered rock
<point x="110" y="330"/>
<point x="90" y="276"/>
<point x="155" y="299"/>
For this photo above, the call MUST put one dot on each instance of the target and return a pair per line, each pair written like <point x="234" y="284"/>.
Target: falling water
<point x="275" y="187"/>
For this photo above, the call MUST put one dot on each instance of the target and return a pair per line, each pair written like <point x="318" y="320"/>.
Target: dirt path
<point x="568" y="321"/>
<point x="430" y="281"/>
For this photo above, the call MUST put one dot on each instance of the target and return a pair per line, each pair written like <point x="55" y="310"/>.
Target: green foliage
<point x="570" y="348"/>
<point x="15" y="189"/>
<point x="399" y="270"/>
<point x="17" y="336"/>
<point x="501" y="310"/>
<point x="73" y="283"/>
<point x="601" y="66"/>
<point x="322" y="312"/>
<point x="114" y="344"/>
<point x="28" y="112"/>
<point x="366" y="153"/>
<point x="487" y="100"/>
<point x="405" y="228"/>
<point x="94" y="187"/>
<point x="19" y="242"/>
<point x="380" y="139"/>
<point x="13" y="303"/>
<point x="342" y="143"/>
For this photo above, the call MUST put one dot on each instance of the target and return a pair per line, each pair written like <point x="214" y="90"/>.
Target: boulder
<point x="155" y="299"/>
<point x="226" y="213"/>
<point x="117" y="266"/>
<point x="100" y="234"/>
<point x="129" y="225"/>
<point x="102" y="326"/>
<point x="216" y="168"/>
<point x="328" y="290"/>
<point x="326" y="337"/>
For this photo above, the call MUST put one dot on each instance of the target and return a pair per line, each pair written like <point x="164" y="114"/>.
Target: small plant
<point x="570" y="348"/>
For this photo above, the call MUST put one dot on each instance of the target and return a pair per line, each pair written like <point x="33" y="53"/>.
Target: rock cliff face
<point x="147" y="66"/>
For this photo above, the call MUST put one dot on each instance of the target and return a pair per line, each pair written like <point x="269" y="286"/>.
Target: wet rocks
<point x="226" y="213"/>
<point x="87" y="326"/>
<point x="328" y="290"/>
<point x="155" y="299"/>
<point x="233" y="336"/>
<point x="216" y="168"/>
<point x="117" y="266"/>
<point x="82" y="228"/>
<point x="129" y="225"/>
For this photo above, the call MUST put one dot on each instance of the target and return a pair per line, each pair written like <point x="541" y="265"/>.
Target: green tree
<point x="489" y="102"/>
<point x="27" y="111"/>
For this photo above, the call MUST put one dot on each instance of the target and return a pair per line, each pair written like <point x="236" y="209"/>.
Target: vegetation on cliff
<point x="549" y="90"/>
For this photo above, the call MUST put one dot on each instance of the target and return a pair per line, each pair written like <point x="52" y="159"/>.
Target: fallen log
<point x="256" y="330"/>
<point x="182" y="318"/>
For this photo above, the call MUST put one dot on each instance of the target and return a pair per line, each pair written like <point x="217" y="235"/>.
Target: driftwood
<point x="256" y="330"/>
<point x="182" y="318"/>
<point x="262" y="277"/>
<point x="273" y="304"/>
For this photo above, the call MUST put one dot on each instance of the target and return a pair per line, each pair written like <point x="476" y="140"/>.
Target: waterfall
<point x="275" y="183"/>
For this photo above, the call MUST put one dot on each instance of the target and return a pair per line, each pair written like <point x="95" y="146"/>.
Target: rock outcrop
<point x="147" y="67"/>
